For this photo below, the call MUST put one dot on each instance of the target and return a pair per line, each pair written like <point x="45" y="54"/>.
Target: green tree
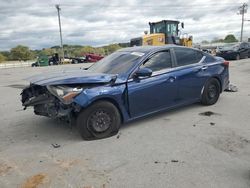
<point x="6" y="55"/>
<point x="230" y="38"/>
<point x="2" y="58"/>
<point x="48" y="51"/>
<point x="111" y="48"/>
<point x="21" y="53"/>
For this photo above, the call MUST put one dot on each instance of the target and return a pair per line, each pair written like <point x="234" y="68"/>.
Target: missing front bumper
<point x="46" y="104"/>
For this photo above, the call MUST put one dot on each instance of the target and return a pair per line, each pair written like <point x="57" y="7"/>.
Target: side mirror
<point x="143" y="72"/>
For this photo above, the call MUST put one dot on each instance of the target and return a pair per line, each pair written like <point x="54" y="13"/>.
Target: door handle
<point x="171" y="79"/>
<point x="204" y="68"/>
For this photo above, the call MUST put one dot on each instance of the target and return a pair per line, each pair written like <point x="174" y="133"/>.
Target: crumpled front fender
<point x="88" y="96"/>
<point x="114" y="93"/>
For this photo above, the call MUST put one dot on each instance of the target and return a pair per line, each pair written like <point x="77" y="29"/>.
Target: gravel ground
<point x="178" y="148"/>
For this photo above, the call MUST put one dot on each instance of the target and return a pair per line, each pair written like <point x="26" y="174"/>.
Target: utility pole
<point x="242" y="11"/>
<point x="60" y="30"/>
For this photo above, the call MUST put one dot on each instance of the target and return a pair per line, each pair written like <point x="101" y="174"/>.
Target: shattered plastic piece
<point x="208" y="113"/>
<point x="118" y="136"/>
<point x="231" y="88"/>
<point x="174" y="161"/>
<point x="56" y="145"/>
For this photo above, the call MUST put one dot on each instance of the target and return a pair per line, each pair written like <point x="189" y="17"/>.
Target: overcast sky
<point x="93" y="22"/>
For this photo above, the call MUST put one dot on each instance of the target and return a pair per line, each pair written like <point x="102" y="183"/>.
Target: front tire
<point x="211" y="92"/>
<point x="100" y="120"/>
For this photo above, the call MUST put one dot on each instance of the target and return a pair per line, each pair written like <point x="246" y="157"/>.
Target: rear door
<point x="191" y="73"/>
<point x="156" y="92"/>
<point x="243" y="49"/>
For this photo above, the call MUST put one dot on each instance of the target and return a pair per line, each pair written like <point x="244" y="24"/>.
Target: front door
<point x="156" y="92"/>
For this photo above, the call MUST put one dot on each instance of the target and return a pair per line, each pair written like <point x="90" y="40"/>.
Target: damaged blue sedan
<point x="126" y="85"/>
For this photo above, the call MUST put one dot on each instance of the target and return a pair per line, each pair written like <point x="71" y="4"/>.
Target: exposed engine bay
<point x="51" y="101"/>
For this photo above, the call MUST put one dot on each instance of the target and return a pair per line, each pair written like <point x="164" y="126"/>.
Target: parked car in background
<point x="91" y="57"/>
<point x="234" y="51"/>
<point x="81" y="59"/>
<point x="87" y="58"/>
<point x="126" y="85"/>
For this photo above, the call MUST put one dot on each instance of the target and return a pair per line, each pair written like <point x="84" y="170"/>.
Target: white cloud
<point x="94" y="22"/>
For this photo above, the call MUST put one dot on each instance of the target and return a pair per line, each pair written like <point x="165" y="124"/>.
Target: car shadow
<point x="160" y="115"/>
<point x="55" y="130"/>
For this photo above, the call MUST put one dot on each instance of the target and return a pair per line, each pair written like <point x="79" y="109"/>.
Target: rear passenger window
<point x="209" y="58"/>
<point x="185" y="56"/>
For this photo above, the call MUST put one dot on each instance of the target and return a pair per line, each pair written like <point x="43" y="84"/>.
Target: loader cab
<point x="167" y="27"/>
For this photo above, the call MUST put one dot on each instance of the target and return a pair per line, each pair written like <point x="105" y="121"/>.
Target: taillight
<point x="226" y="63"/>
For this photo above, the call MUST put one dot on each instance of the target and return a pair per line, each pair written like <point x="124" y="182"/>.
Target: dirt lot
<point x="179" y="148"/>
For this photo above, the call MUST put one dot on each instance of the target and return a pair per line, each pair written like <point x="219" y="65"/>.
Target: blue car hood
<point x="71" y="77"/>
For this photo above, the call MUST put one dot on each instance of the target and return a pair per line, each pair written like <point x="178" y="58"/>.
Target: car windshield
<point x="230" y="47"/>
<point x="116" y="63"/>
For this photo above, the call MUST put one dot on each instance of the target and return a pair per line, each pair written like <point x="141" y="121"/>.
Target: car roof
<point x="146" y="49"/>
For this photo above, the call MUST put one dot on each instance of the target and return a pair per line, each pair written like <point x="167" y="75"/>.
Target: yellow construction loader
<point x="163" y="32"/>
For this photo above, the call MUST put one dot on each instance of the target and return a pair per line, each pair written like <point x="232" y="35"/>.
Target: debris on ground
<point x="208" y="113"/>
<point x="231" y="88"/>
<point x="244" y="140"/>
<point x="157" y="162"/>
<point x="212" y="124"/>
<point x="118" y="136"/>
<point x="56" y="145"/>
<point x="194" y="125"/>
<point x="174" y="161"/>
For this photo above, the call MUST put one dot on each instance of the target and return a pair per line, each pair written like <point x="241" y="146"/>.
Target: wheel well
<point x="215" y="77"/>
<point x="111" y="101"/>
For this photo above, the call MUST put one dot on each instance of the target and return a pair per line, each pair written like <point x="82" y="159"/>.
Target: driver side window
<point x="159" y="61"/>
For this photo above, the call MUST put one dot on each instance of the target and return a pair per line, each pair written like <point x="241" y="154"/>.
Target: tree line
<point x="24" y="53"/>
<point x="228" y="39"/>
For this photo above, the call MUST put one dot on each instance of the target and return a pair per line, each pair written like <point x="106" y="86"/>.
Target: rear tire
<point x="100" y="120"/>
<point x="211" y="92"/>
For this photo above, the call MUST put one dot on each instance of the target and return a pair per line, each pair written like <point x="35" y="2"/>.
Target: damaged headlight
<point x="64" y="93"/>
